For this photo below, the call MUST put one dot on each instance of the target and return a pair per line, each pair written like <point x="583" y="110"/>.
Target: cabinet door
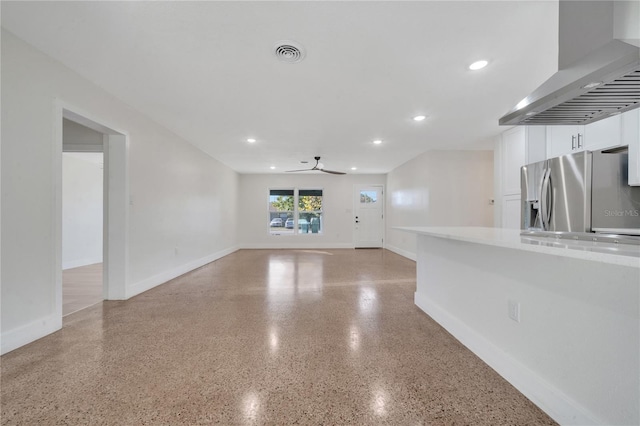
<point x="604" y="134"/>
<point x="536" y="137"/>
<point x="631" y="137"/>
<point x="513" y="157"/>
<point x="511" y="212"/>
<point x="562" y="140"/>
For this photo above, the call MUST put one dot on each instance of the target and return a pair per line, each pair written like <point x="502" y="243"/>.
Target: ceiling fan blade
<point x="301" y="170"/>
<point x="332" y="172"/>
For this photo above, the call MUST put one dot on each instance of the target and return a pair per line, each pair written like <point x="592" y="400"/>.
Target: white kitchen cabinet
<point x="562" y="140"/>
<point x="631" y="137"/>
<point x="615" y="131"/>
<point x="513" y="157"/>
<point x="520" y="145"/>
<point x="604" y="134"/>
<point x="536" y="143"/>
<point x="511" y="209"/>
<point x="513" y="149"/>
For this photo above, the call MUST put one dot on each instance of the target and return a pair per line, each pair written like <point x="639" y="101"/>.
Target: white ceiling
<point x="206" y="71"/>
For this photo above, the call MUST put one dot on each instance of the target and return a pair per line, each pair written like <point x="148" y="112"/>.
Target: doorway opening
<point x="92" y="200"/>
<point x="82" y="212"/>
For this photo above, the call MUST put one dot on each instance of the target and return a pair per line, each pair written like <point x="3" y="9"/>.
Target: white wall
<point x="626" y="21"/>
<point x="338" y="221"/>
<point x="81" y="208"/>
<point x="183" y="202"/>
<point x="438" y="188"/>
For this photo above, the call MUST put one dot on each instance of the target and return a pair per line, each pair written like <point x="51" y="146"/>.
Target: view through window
<point x="295" y="211"/>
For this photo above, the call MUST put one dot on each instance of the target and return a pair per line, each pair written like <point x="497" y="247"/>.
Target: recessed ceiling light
<point x="272" y="167"/>
<point x="377" y="142"/>
<point x="478" y="65"/>
<point x="251" y="140"/>
<point x="419" y="117"/>
<point x="354" y="168"/>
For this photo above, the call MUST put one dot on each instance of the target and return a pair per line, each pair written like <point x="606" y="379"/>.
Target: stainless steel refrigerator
<point x="580" y="193"/>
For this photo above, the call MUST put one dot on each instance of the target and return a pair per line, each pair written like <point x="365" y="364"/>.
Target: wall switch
<point x="514" y="310"/>
<point x="176" y="250"/>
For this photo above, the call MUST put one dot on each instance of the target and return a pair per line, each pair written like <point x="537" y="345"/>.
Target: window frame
<point x="296" y="211"/>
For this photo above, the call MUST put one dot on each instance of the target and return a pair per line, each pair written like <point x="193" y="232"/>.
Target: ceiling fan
<point x="319" y="167"/>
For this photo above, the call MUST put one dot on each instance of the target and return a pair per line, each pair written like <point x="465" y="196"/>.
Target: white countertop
<point x="617" y="254"/>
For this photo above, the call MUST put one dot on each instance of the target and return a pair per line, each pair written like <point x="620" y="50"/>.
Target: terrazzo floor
<point x="278" y="337"/>
<point x="81" y="287"/>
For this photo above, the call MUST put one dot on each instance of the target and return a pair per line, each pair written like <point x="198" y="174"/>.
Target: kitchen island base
<point x="562" y="330"/>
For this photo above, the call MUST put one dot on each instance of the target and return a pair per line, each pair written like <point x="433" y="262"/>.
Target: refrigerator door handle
<point x="544" y="201"/>
<point x="549" y="196"/>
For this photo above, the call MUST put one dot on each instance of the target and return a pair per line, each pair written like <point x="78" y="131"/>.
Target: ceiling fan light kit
<point x="319" y="167"/>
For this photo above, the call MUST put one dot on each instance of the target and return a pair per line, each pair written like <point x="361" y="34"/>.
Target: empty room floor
<point x="81" y="287"/>
<point x="262" y="337"/>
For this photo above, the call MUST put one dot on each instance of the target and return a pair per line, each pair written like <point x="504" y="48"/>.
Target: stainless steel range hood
<point x="591" y="84"/>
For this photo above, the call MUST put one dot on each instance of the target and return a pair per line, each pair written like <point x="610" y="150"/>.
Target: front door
<point x="368" y="216"/>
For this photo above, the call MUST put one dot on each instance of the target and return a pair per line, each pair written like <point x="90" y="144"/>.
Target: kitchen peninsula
<point x="558" y="319"/>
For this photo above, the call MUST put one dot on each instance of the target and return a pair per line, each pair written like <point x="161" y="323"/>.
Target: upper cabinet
<point x="562" y="140"/>
<point x="513" y="157"/>
<point x="616" y="131"/>
<point x="519" y="146"/>
<point x="631" y="136"/>
<point x="604" y="134"/>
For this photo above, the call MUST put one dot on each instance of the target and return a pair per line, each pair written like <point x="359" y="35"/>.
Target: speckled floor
<point x="262" y="337"/>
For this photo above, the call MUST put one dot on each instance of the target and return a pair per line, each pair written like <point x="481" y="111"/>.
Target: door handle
<point x="579" y="139"/>
<point x="573" y="142"/>
<point x="545" y="202"/>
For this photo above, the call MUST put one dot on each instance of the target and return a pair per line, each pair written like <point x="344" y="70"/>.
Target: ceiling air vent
<point x="289" y="52"/>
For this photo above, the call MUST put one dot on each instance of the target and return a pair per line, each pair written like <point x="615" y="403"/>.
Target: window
<point x="367" y="197"/>
<point x="295" y="211"/>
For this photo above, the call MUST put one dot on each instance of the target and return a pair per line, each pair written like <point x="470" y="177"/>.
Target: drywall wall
<point x="626" y="21"/>
<point x="81" y="208"/>
<point x="338" y="220"/>
<point x="182" y="210"/>
<point x="438" y="188"/>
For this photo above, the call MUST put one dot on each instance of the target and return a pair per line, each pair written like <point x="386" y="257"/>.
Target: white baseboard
<point x="13" y="339"/>
<point x="81" y="262"/>
<point x="401" y="252"/>
<point x="156" y="280"/>
<point x="550" y="399"/>
<point x="294" y="245"/>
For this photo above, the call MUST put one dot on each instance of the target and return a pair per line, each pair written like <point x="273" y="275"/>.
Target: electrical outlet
<point x="514" y="310"/>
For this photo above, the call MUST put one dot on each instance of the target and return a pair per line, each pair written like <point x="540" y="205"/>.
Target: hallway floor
<point x="262" y="337"/>
<point x="81" y="287"/>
